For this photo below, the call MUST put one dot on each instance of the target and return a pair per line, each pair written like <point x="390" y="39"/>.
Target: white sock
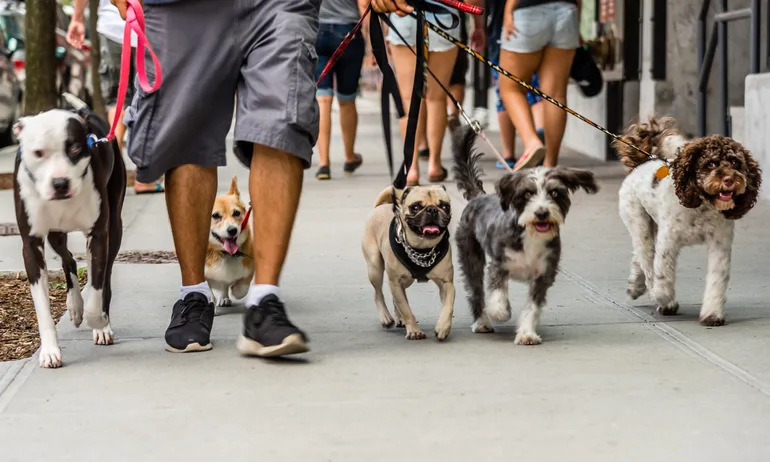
<point x="202" y="288"/>
<point x="259" y="291"/>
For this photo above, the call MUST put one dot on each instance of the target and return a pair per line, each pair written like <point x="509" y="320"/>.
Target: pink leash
<point x="134" y="22"/>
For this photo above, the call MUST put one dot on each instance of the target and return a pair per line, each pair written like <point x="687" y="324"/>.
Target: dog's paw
<point x="225" y="301"/>
<point x="414" y="334"/>
<point x="634" y="291"/>
<point x="442" y="332"/>
<point x="482" y="327"/>
<point x="712" y="320"/>
<point x="50" y="356"/>
<point x="527" y="338"/>
<point x="75" y="307"/>
<point x="669" y="310"/>
<point x="104" y="336"/>
<point x="499" y="308"/>
<point x="387" y="323"/>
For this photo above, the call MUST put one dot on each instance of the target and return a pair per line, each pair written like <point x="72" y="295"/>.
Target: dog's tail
<point x="76" y="103"/>
<point x="657" y="136"/>
<point x="466" y="171"/>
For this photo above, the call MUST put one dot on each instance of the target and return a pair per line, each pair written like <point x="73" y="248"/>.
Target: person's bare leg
<point x="275" y="184"/>
<point x="522" y="65"/>
<point x="458" y="91"/>
<point x="507" y="135"/>
<point x="190" y="192"/>
<point x="349" y="127"/>
<point x="554" y="76"/>
<point x="441" y="63"/>
<point x="324" y="128"/>
<point x="538" y="114"/>
<point x="403" y="64"/>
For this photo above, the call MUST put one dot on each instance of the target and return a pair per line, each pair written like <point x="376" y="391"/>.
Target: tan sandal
<point x="530" y="159"/>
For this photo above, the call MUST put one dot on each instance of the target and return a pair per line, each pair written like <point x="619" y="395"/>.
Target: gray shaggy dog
<point x="514" y="233"/>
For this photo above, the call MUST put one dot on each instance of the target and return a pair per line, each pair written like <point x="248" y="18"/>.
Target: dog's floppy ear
<point x="234" y="187"/>
<point x="575" y="179"/>
<point x="747" y="200"/>
<point x="506" y="188"/>
<point x="684" y="176"/>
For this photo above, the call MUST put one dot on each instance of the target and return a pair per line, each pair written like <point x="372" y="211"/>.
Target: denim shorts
<point x="344" y="76"/>
<point x="407" y="26"/>
<point x="553" y="24"/>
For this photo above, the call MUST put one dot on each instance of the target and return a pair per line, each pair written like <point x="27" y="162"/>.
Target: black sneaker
<point x="268" y="332"/>
<point x="190" y="327"/>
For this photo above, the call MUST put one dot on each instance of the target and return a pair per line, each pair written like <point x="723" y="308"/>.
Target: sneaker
<point x="191" y="322"/>
<point x="268" y="332"/>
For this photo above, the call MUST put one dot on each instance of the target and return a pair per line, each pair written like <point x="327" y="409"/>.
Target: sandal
<point x="323" y="173"/>
<point x="530" y="159"/>
<point x="440" y="177"/>
<point x="351" y="167"/>
<point x="423" y="153"/>
<point x="157" y="189"/>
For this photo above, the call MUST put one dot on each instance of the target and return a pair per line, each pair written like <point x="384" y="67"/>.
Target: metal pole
<point x="701" y="44"/>
<point x="755" y="36"/>
<point x="723" y="74"/>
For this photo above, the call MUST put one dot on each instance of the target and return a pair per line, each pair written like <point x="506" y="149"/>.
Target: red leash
<point x="135" y="23"/>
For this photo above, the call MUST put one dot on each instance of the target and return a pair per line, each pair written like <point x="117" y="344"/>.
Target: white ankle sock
<point x="202" y="288"/>
<point x="259" y="291"/>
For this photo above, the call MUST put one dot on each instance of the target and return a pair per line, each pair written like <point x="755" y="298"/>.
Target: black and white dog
<point x="64" y="181"/>
<point x="514" y="233"/>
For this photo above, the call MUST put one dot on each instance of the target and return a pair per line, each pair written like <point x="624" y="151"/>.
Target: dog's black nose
<point x="432" y="211"/>
<point x="541" y="215"/>
<point x="232" y="230"/>
<point x="61" y="185"/>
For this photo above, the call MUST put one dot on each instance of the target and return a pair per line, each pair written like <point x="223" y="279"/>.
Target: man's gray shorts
<point x="208" y="50"/>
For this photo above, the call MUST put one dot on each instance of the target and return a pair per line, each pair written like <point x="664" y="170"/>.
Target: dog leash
<point x="474" y="124"/>
<point x="661" y="173"/>
<point x="135" y="23"/>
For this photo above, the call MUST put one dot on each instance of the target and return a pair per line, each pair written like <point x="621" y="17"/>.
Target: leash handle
<point x="135" y="23"/>
<point x="460" y="6"/>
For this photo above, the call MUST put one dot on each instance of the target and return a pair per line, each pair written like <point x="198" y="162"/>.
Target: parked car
<point x="10" y="93"/>
<point x="74" y="66"/>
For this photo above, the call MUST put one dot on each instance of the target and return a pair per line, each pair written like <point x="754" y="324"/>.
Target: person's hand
<point x="76" y="33"/>
<point x="400" y="7"/>
<point x="508" y="28"/>
<point x="123" y="6"/>
<point x="479" y="40"/>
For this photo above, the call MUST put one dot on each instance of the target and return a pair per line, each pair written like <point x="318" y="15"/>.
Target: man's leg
<point x="180" y="131"/>
<point x="276" y="127"/>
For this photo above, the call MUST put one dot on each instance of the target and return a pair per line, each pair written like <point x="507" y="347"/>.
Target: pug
<point x="409" y="241"/>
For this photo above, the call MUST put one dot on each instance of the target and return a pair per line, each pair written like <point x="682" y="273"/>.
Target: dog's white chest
<point x="227" y="270"/>
<point x="76" y="214"/>
<point x="527" y="264"/>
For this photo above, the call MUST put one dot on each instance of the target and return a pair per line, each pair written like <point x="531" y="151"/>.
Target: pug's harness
<point x="419" y="262"/>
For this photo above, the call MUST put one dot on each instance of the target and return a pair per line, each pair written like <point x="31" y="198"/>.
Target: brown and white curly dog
<point x="713" y="181"/>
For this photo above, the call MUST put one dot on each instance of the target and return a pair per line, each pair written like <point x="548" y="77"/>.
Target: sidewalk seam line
<point x="14" y="385"/>
<point x="674" y="336"/>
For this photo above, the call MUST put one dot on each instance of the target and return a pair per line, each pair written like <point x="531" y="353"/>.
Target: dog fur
<point x="416" y="206"/>
<point x="229" y="265"/>
<point x="713" y="181"/>
<point x="515" y="234"/>
<point x="62" y="185"/>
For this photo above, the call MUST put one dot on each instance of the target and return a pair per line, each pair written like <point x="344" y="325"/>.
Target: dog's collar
<point x="237" y="254"/>
<point x="419" y="262"/>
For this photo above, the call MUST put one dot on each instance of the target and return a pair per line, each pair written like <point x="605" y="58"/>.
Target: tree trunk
<point x="40" y="48"/>
<point x="96" y="59"/>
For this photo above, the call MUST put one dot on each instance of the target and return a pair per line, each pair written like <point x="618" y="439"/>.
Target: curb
<point x="53" y="275"/>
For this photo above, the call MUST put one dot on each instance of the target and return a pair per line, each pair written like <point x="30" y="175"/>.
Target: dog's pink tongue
<point x="230" y="246"/>
<point x="431" y="229"/>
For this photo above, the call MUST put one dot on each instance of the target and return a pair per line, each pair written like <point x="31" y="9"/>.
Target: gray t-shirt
<point x="339" y="12"/>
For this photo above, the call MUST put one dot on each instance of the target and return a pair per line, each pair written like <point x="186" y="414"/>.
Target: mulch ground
<point x="19" y="337"/>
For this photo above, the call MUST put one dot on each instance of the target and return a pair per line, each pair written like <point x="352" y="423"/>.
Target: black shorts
<point x="460" y="70"/>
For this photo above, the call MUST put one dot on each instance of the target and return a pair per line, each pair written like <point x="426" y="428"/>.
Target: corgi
<point x="229" y="261"/>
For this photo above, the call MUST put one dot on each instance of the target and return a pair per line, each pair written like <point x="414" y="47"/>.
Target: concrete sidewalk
<point x="611" y="382"/>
